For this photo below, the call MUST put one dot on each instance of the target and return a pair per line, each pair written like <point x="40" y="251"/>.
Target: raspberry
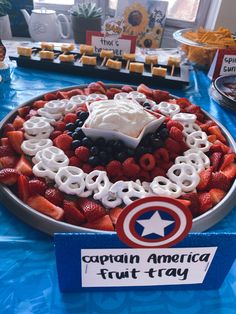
<point x="74" y="161"/>
<point x="177" y="124"/>
<point x="176" y="134"/>
<point x="130" y="168"/>
<point x="87" y="168"/>
<point x="63" y="142"/>
<point x="60" y="126"/>
<point x="144" y="176"/>
<point x="173" y="146"/>
<point x="100" y="168"/>
<point x="147" y="162"/>
<point x="114" y="168"/>
<point x="69" y="153"/>
<point x="70" y="118"/>
<point x="55" y="134"/>
<point x="156" y="172"/>
<point x="37" y="187"/>
<point x="165" y="165"/>
<point x="161" y="155"/>
<point x="54" y="196"/>
<point x="82" y="153"/>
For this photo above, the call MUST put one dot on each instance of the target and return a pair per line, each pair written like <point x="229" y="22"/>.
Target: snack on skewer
<point x="152" y="60"/>
<point x="67" y="58"/>
<point x="67" y="47"/>
<point x="114" y="64"/>
<point x="173" y="62"/>
<point x="86" y="50"/>
<point x="106" y="54"/>
<point x="88" y="60"/>
<point x="136" y="67"/>
<point x="46" y="55"/>
<point x="47" y="46"/>
<point x="128" y="57"/>
<point x="24" y="51"/>
<point x="159" y="71"/>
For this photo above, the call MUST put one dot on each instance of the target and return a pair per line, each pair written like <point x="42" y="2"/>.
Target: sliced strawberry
<point x="215" y="159"/>
<point x="227" y="160"/>
<point x="18" y="122"/>
<point x="24" y="166"/>
<point x="103" y="223"/>
<point x="186" y="203"/>
<point x="23" y="187"/>
<point x="62" y="95"/>
<point x="217" y="195"/>
<point x="126" y="88"/>
<point x="183" y="102"/>
<point x="195" y="205"/>
<point x="37" y="187"/>
<point x="6" y="150"/>
<point x="72" y="214"/>
<point x="91" y="209"/>
<point x="114" y="214"/>
<point x="230" y="171"/>
<point x="205" y="202"/>
<point x="42" y="205"/>
<point x="142" y="88"/>
<point x="5" y="141"/>
<point x="7" y="128"/>
<point x="176" y="134"/>
<point x="96" y="88"/>
<point x="39" y="104"/>
<point x="205" y="179"/>
<point x="225" y="149"/>
<point x="23" y="111"/>
<point x="50" y="96"/>
<point x="8" y="162"/>
<point x="160" y="95"/>
<point x="74" y="92"/>
<point x="16" y="138"/>
<point x="212" y="138"/>
<point x="206" y="125"/>
<point x="218" y="179"/>
<point x="102" y="84"/>
<point x="54" y="196"/>
<point x="216" y="131"/>
<point x="8" y="176"/>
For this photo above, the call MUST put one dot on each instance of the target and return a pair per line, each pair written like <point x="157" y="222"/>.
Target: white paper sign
<point x="119" y="46"/>
<point x="145" y="267"/>
<point x="228" y="65"/>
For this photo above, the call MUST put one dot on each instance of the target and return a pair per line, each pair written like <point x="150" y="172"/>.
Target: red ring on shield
<point x="126" y="230"/>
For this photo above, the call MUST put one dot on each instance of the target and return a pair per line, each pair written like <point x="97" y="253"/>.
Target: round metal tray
<point x="51" y="226"/>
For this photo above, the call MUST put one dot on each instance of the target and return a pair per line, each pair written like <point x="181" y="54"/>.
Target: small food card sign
<point x="224" y="63"/>
<point x="112" y="38"/>
<point x="150" y="250"/>
<point x="145" y="19"/>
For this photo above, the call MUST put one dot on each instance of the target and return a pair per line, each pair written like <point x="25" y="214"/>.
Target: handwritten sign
<point x="124" y="44"/>
<point x="94" y="261"/>
<point x="224" y="63"/>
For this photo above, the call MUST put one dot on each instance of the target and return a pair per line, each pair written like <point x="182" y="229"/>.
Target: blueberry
<point x="118" y="146"/>
<point x="129" y="152"/>
<point x="164" y="133"/>
<point x="162" y="126"/>
<point x="70" y="133"/>
<point x="108" y="149"/>
<point x="140" y="150"/>
<point x="146" y="140"/>
<point x="100" y="142"/>
<point x="104" y="157"/>
<point x="147" y="105"/>
<point x="157" y="143"/>
<point x="87" y="142"/>
<point x="94" y="161"/>
<point x="80" y="123"/>
<point x="83" y="115"/>
<point x="111" y="142"/>
<point x="76" y="143"/>
<point x="94" y="150"/>
<point x="75" y="136"/>
<point x="121" y="156"/>
<point x="77" y="123"/>
<point x="70" y="126"/>
<point x="80" y="133"/>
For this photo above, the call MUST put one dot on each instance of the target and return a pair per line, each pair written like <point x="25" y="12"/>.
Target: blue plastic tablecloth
<point x="28" y="279"/>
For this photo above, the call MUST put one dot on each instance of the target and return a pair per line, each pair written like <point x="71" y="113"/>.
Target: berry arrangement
<point x="110" y="174"/>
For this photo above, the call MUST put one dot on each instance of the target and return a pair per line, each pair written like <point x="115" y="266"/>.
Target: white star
<point x="154" y="225"/>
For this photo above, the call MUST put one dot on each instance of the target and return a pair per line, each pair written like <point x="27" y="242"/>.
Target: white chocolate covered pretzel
<point x="36" y="125"/>
<point x="190" y="128"/>
<point x="71" y="180"/>
<point x="184" y="117"/>
<point x="198" y="140"/>
<point x="31" y="147"/>
<point x="121" y="96"/>
<point x="162" y="186"/>
<point x="168" y="109"/>
<point x="42" y="171"/>
<point x="54" y="158"/>
<point x="185" y="176"/>
<point x="44" y="113"/>
<point x="204" y="157"/>
<point x="193" y="159"/>
<point x="75" y="102"/>
<point x="111" y="200"/>
<point x="56" y="106"/>
<point x="98" y="182"/>
<point x="96" y="97"/>
<point x="139" y="97"/>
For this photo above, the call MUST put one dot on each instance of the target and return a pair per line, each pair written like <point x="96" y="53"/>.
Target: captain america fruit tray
<point x="72" y="159"/>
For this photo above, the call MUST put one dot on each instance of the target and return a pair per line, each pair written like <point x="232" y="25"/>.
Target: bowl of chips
<point x="200" y="46"/>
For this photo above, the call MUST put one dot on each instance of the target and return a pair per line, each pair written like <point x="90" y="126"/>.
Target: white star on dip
<point x="154" y="225"/>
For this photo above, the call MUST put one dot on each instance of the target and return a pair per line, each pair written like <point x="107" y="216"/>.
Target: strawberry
<point x="8" y="176"/>
<point x="50" y="96"/>
<point x="24" y="166"/>
<point x="160" y="95"/>
<point x="224" y="148"/>
<point x="205" y="179"/>
<point x="63" y="142"/>
<point x="55" y="134"/>
<point x="6" y="150"/>
<point x="172" y="123"/>
<point x="23" y="111"/>
<point x="206" y="125"/>
<point x="111" y="92"/>
<point x="216" y="195"/>
<point x="161" y="155"/>
<point x="227" y="160"/>
<point x="183" y="102"/>
<point x="130" y="168"/>
<point x="102" y="84"/>
<point x="195" y="205"/>
<point x="8" y="162"/>
<point x="230" y="171"/>
<point x="39" y="104"/>
<point x="114" y="214"/>
<point x="62" y="95"/>
<point x="37" y="187"/>
<point x="82" y="153"/>
<point x="7" y="128"/>
<point x="18" y="122"/>
<point x="147" y="162"/>
<point x="74" y="92"/>
<point x="176" y="134"/>
<point x="70" y="118"/>
<point x="59" y="126"/>
<point x="96" y="88"/>
<point x="192" y="109"/>
<point x="186" y="203"/>
<point x="4" y="141"/>
<point x="219" y="180"/>
<point x="114" y="168"/>
<point x="215" y="159"/>
<point x="42" y="205"/>
<point x="23" y="187"/>
<point x="74" y="161"/>
<point x="205" y="202"/>
<point x="173" y="146"/>
<point x="145" y="90"/>
<point x="103" y="223"/>
<point x="91" y="209"/>
<point x="54" y="196"/>
<point x="212" y="138"/>
<point x="72" y="214"/>
<point x="16" y="138"/>
<point x="216" y="131"/>
<point x="126" y="88"/>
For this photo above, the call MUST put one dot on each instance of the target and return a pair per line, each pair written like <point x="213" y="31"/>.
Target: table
<point x="28" y="280"/>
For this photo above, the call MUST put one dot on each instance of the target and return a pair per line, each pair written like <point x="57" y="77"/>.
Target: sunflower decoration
<point x="136" y="19"/>
<point x="158" y="29"/>
<point x="149" y="40"/>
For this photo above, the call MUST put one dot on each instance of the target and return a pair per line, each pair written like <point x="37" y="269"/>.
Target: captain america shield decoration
<point x="154" y="222"/>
